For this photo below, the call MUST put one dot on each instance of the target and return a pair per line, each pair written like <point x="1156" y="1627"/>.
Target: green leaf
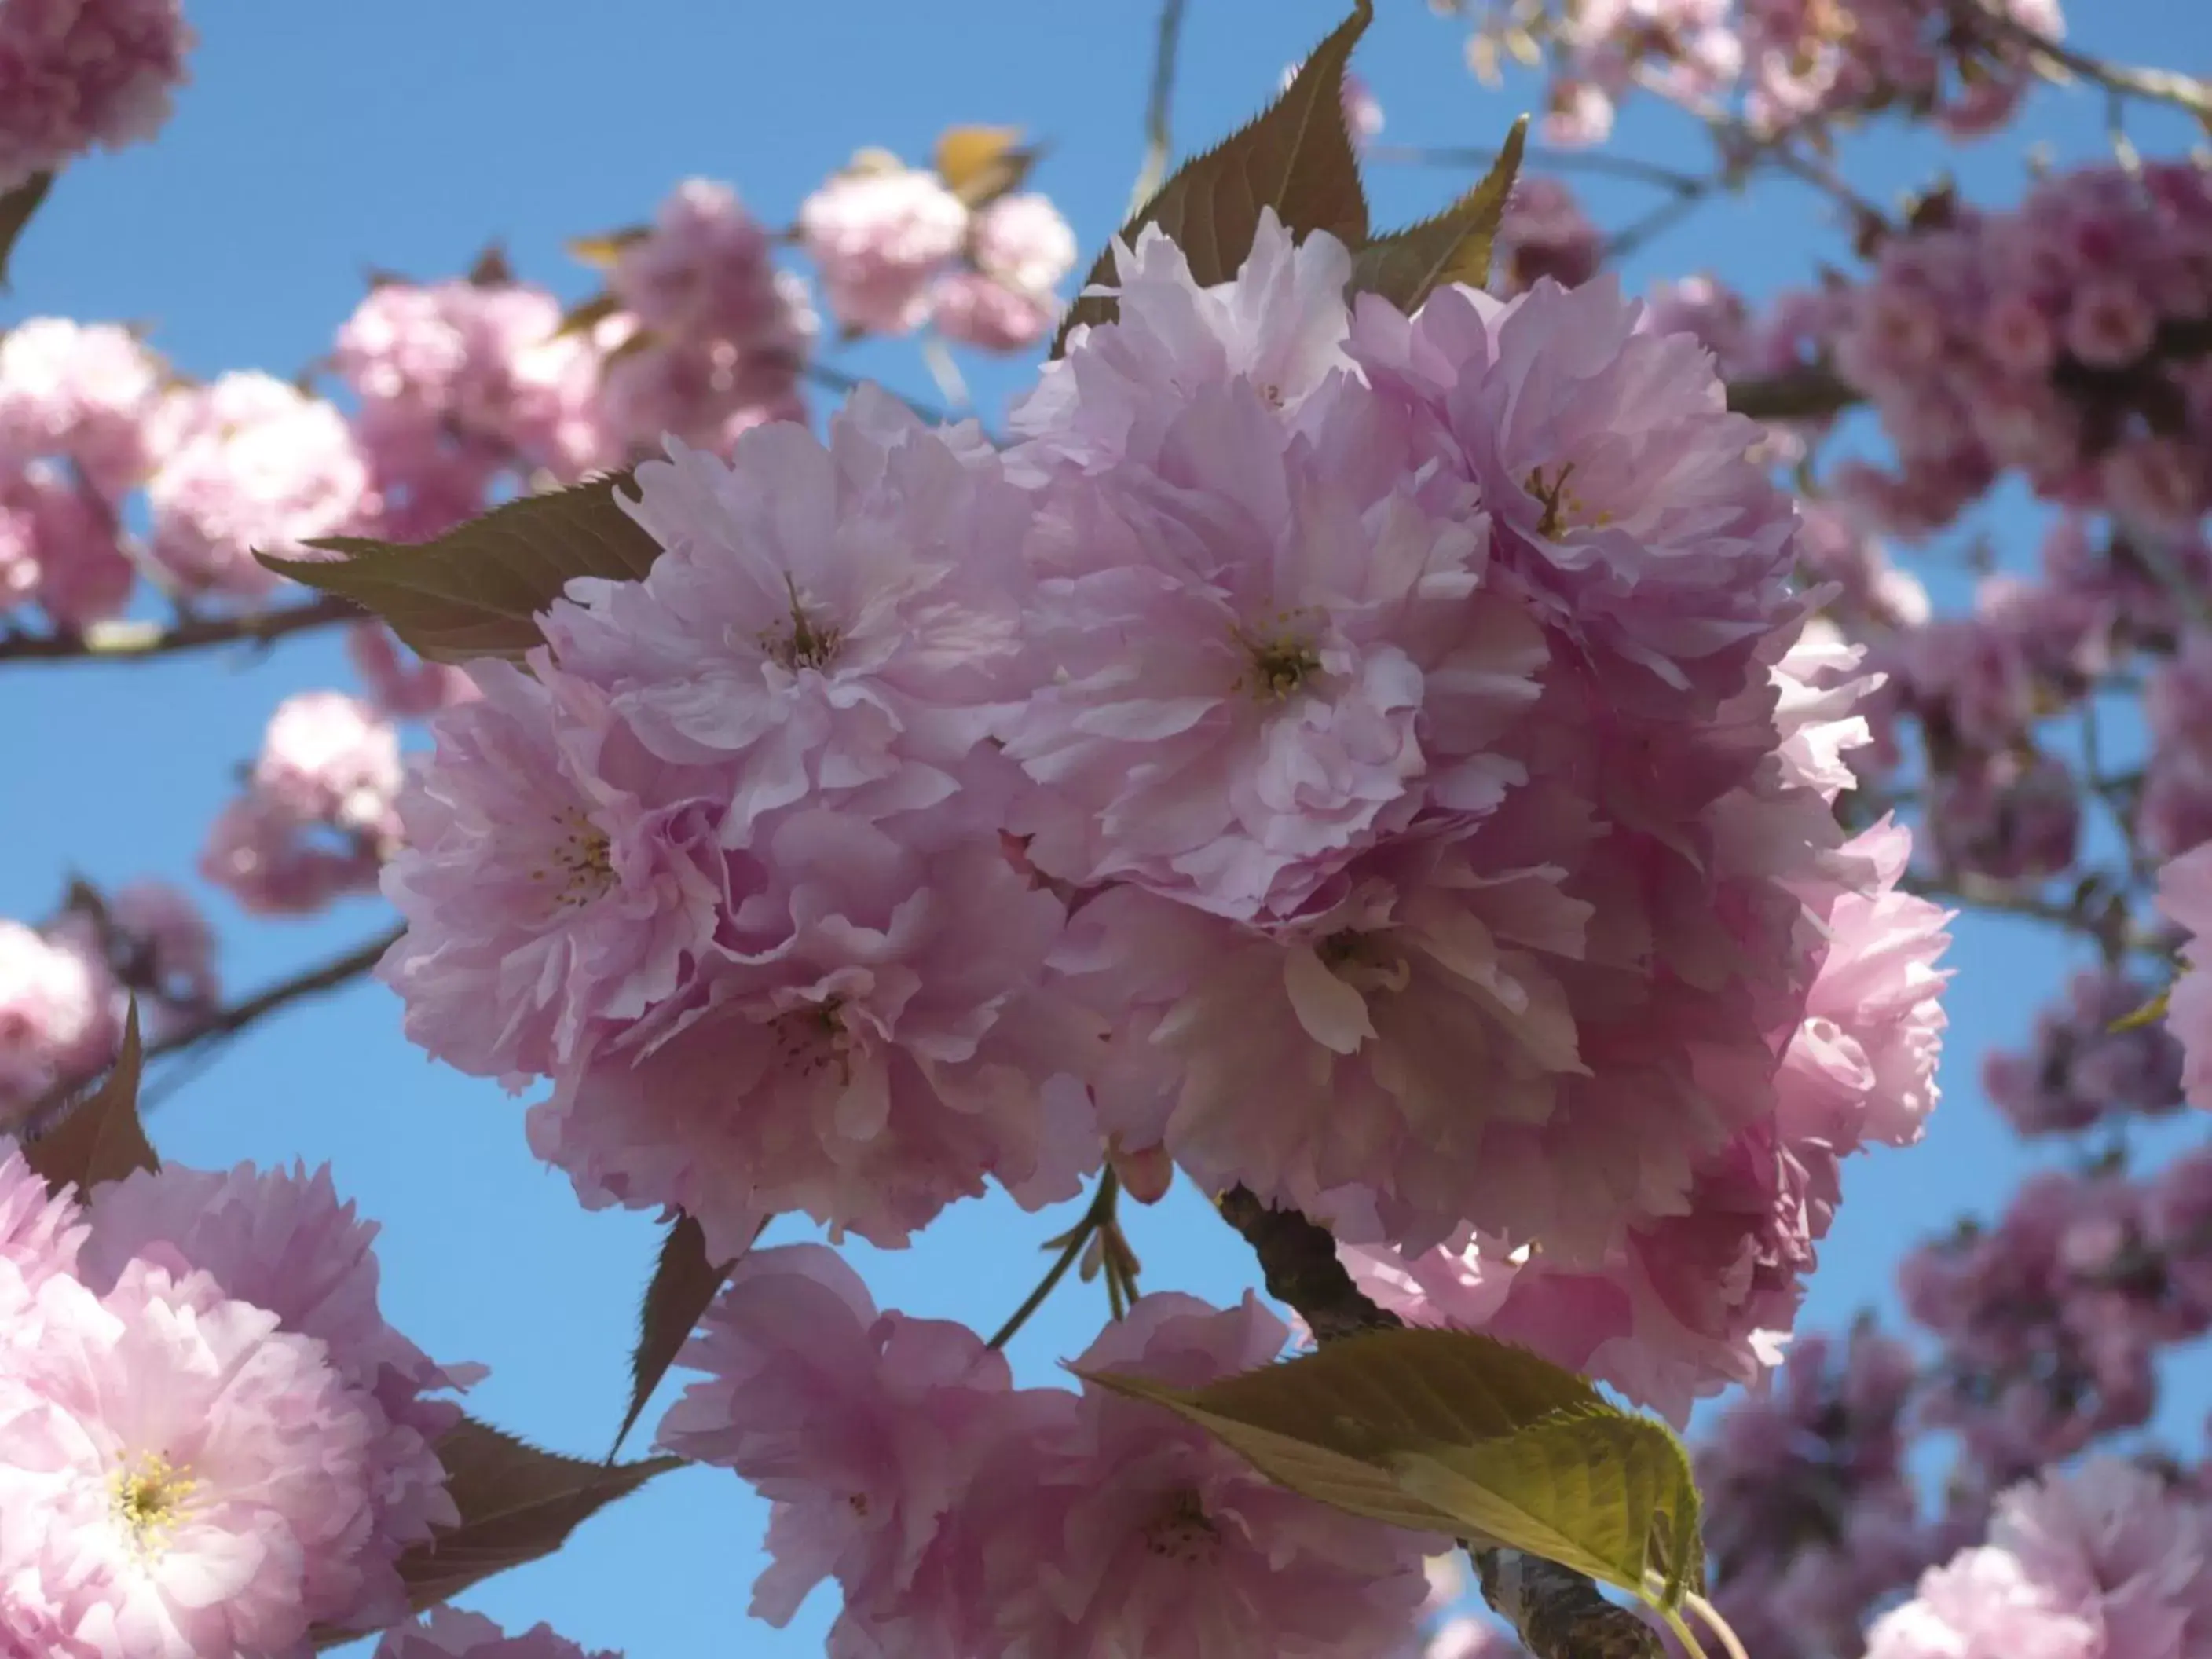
<point x="1296" y="157"/>
<point x="16" y="207"/>
<point x="2149" y="1014"/>
<point x="683" y="1283"/>
<point x="588" y="314"/>
<point x="1594" y="1489"/>
<point x="516" y="1505"/>
<point x="601" y="252"/>
<point x="477" y="590"/>
<point x="1407" y="266"/>
<point x="1454" y="1433"/>
<point x="100" y="1136"/>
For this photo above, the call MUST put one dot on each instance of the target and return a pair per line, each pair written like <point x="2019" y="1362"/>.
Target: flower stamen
<point x="149" y="1498"/>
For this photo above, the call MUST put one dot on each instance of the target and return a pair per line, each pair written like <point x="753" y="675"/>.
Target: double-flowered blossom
<point x="58" y="1019"/>
<point x="81" y="392"/>
<point x="216" y="1442"/>
<point x="249" y="464"/>
<point x="77" y="73"/>
<point x="2092" y="1061"/>
<point x="964" y="1516"/>
<point x="878" y="232"/>
<point x="762" y="931"/>
<point x="2102" y="1562"/>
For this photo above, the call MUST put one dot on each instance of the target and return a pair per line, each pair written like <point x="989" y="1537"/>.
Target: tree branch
<point x="330" y="976"/>
<point x="141" y="641"/>
<point x="1559" y="1614"/>
<point x="2158" y="86"/>
<point x="1159" y="141"/>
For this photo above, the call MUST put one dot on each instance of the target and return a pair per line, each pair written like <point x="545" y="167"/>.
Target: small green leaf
<point x="1594" y="1489"/>
<point x="601" y="252"/>
<point x="477" y="590"/>
<point x="2149" y="1014"/>
<point x="100" y="1137"/>
<point x="1454" y="1433"/>
<point x="588" y="314"/>
<point x="1407" y="266"/>
<point x="16" y="207"/>
<point x="1296" y="157"/>
<point x="683" y="1283"/>
<point x="516" y="1505"/>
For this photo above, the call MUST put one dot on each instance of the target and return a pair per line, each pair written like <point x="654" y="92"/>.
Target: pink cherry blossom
<point x="1281" y="324"/>
<point x="402" y="685"/>
<point x="833" y="622"/>
<point x="449" y="1633"/>
<point x="556" y="878"/>
<point x="1023" y="241"/>
<point x="862" y="1429"/>
<point x="979" y="310"/>
<point x="61" y="546"/>
<point x="1265" y="652"/>
<point x="245" y="465"/>
<point x="39" y="1232"/>
<point x="877" y="232"/>
<point x="184" y="1478"/>
<point x="706" y="269"/>
<point x="2101" y="1563"/>
<point x="273" y="864"/>
<point x="59" y="1022"/>
<point x="281" y="1240"/>
<point x="1142" y="1535"/>
<point x="869" y="1045"/>
<point x="77" y="73"/>
<point x="77" y="391"/>
<point x="329" y="758"/>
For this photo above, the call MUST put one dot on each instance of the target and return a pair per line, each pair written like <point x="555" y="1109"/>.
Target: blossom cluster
<point x="1778" y="68"/>
<point x="961" y="1514"/>
<point x="65" y="986"/>
<point x="2102" y="1562"/>
<point x="1344" y="752"/>
<point x="897" y="247"/>
<point x="215" y="1440"/>
<point x="74" y="74"/>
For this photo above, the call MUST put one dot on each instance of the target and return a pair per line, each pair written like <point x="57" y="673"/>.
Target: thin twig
<point x="1650" y="226"/>
<point x="1100" y="1214"/>
<point x="1159" y="140"/>
<point x="140" y="642"/>
<point x="2158" y="86"/>
<point x="1539" y="156"/>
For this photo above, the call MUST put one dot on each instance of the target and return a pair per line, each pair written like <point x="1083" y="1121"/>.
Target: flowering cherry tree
<point x="1447" y="756"/>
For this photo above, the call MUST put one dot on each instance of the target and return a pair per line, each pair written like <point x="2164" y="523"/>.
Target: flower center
<point x="807" y="643"/>
<point x="148" y="1498"/>
<point x="1280" y="658"/>
<point x="1563" y="508"/>
<point x="1365" y="959"/>
<point x="581" y="865"/>
<point x="1182" y="1533"/>
<point x="811" y="1040"/>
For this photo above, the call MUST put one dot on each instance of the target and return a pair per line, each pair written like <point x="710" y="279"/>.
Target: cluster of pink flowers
<point x="2103" y="1562"/>
<point x="2184" y="896"/>
<point x="896" y="248"/>
<point x="2092" y="1061"/>
<point x="319" y="812"/>
<point x="1544" y="234"/>
<point x="215" y="1441"/>
<point x="64" y="987"/>
<point x="1811" y="1512"/>
<point x="75" y="403"/>
<point x="1789" y="65"/>
<point x="2042" y="339"/>
<point x="77" y="73"/>
<point x="2052" y="1320"/>
<point x="1414" y="747"/>
<point x="961" y="1514"/>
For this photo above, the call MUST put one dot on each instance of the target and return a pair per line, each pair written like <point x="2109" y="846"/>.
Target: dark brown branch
<point x="330" y="976"/>
<point x="1802" y="394"/>
<point x="1559" y="1614"/>
<point x="140" y="642"/>
<point x="2158" y="86"/>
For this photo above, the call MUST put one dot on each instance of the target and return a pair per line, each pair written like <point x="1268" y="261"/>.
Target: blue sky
<point x="404" y="135"/>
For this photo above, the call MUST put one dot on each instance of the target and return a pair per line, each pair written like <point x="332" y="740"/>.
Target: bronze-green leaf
<point x="516" y="1503"/>
<point x="600" y="251"/>
<point x="981" y="164"/>
<point x="588" y="314"/>
<point x="1407" y="266"/>
<point x="683" y="1283"/>
<point x="16" y="207"/>
<point x="1595" y="1489"/>
<point x="100" y="1137"/>
<point x="1454" y="1433"/>
<point x="477" y="590"/>
<point x="1296" y="157"/>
